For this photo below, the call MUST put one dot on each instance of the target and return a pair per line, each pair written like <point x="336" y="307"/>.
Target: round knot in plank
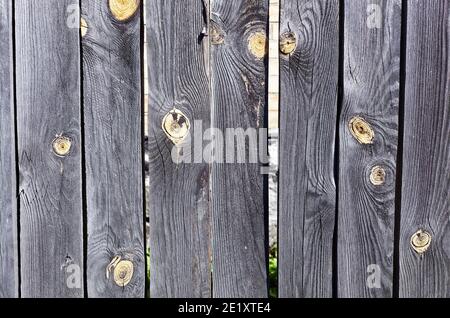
<point x="420" y="241"/>
<point x="288" y="43"/>
<point x="217" y="35"/>
<point x="361" y="130"/>
<point x="257" y="44"/>
<point x="176" y="126"/>
<point x="377" y="176"/>
<point x="61" y="146"/>
<point x="123" y="273"/>
<point x="122" y="10"/>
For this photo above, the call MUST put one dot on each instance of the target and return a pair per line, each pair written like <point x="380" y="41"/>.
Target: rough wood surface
<point x="9" y="279"/>
<point x="238" y="83"/>
<point x="308" y="106"/>
<point x="113" y="138"/>
<point x="426" y="155"/>
<point x="179" y="193"/>
<point x="48" y="104"/>
<point x="371" y="91"/>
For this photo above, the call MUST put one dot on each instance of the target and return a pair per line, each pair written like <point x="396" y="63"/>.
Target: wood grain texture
<point x="113" y="138"/>
<point x="9" y="279"/>
<point x="308" y="106"/>
<point x="238" y="83"/>
<point x="179" y="193"/>
<point x="48" y="104"/>
<point x="371" y="91"/>
<point x="426" y="151"/>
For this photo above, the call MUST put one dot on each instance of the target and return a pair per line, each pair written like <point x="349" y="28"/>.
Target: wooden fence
<point x="364" y="148"/>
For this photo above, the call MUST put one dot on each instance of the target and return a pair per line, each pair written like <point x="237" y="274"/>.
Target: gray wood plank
<point x="239" y="203"/>
<point x="48" y="105"/>
<point x="9" y="279"/>
<point x="308" y="107"/>
<point x="426" y="151"/>
<point x="113" y="137"/>
<point x="179" y="193"/>
<point x="371" y="92"/>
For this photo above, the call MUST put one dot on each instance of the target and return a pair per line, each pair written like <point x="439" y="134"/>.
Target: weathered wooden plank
<point x="308" y="107"/>
<point x="426" y="155"/>
<point x="9" y="279"/>
<point x="179" y="193"/>
<point x="113" y="137"/>
<point x="48" y="120"/>
<point x="367" y="166"/>
<point x="238" y="81"/>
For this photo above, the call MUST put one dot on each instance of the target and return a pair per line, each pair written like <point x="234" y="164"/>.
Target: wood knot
<point x="377" y="176"/>
<point x="420" y="241"/>
<point x="361" y="130"/>
<point x="176" y="126"/>
<point x="257" y="44"/>
<point x="122" y="10"/>
<point x="122" y="271"/>
<point x="217" y="35"/>
<point x="83" y="27"/>
<point x="288" y="43"/>
<point x="61" y="146"/>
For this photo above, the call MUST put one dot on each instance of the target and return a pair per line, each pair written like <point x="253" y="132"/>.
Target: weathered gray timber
<point x="9" y="278"/>
<point x="179" y="193"/>
<point x="49" y="148"/>
<point x="308" y="106"/>
<point x="368" y="132"/>
<point x="425" y="203"/>
<point x="239" y="205"/>
<point x="111" y="48"/>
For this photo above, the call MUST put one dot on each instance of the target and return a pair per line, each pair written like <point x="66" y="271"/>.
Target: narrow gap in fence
<point x="261" y="143"/>
<point x="83" y="161"/>
<point x="398" y="182"/>
<point x="143" y="130"/>
<point x="340" y="88"/>
<point x="273" y="31"/>
<point x="16" y="145"/>
<point x="278" y="154"/>
<point x="208" y="14"/>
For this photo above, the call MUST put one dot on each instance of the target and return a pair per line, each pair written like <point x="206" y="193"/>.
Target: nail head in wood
<point x="420" y="241"/>
<point x="176" y="126"/>
<point x="361" y="130"/>
<point x="122" y="10"/>
<point x="257" y="44"/>
<point x="61" y="146"/>
<point x="377" y="176"/>
<point x="288" y="43"/>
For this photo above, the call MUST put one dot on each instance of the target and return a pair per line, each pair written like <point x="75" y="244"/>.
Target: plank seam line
<point x="144" y="193"/>
<point x="83" y="160"/>
<point x="399" y="159"/>
<point x="16" y="144"/>
<point x="340" y="88"/>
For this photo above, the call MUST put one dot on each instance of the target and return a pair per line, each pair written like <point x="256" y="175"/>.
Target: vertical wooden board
<point x="9" y="279"/>
<point x="308" y="106"/>
<point x="426" y="152"/>
<point x="179" y="192"/>
<point x="112" y="93"/>
<point x="48" y="107"/>
<point x="372" y="37"/>
<point x="238" y="82"/>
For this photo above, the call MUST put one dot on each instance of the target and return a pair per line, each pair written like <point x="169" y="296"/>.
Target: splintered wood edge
<point x="83" y="26"/>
